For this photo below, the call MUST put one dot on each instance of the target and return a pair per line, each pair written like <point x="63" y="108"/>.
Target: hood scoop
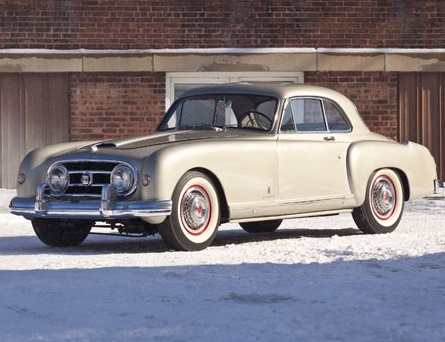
<point x="102" y="144"/>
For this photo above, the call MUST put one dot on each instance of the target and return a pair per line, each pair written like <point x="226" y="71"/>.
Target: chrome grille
<point x="99" y="171"/>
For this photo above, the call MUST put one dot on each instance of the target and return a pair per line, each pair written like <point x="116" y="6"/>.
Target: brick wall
<point x="109" y="105"/>
<point x="106" y="105"/>
<point x="374" y="93"/>
<point x="154" y="24"/>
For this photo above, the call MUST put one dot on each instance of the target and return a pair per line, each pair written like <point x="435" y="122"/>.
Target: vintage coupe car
<point x="252" y="154"/>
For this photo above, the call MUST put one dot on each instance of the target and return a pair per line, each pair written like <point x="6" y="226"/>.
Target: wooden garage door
<point x="34" y="112"/>
<point x="422" y="113"/>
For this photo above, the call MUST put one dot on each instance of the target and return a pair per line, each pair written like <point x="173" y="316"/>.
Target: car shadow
<point x="97" y="244"/>
<point x="236" y="237"/>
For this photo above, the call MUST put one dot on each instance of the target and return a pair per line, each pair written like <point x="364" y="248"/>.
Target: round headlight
<point x="58" y="178"/>
<point x="122" y="178"/>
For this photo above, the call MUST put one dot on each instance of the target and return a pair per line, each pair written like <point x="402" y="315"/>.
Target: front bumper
<point x="439" y="187"/>
<point x="108" y="207"/>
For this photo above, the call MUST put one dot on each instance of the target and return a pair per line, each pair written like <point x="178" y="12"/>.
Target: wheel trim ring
<point x="383" y="197"/>
<point x="189" y="212"/>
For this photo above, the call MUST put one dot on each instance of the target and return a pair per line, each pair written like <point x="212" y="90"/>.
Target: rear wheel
<point x="382" y="209"/>
<point x="195" y="217"/>
<point x="261" y="227"/>
<point x="61" y="233"/>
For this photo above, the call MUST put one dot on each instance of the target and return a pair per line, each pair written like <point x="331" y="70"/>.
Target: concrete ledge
<point x="235" y="62"/>
<point x="117" y="64"/>
<point x="41" y="64"/>
<point x="350" y="62"/>
<point x="224" y="59"/>
<point x="416" y="62"/>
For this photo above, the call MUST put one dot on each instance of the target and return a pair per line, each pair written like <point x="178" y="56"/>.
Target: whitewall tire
<point x="382" y="209"/>
<point x="195" y="216"/>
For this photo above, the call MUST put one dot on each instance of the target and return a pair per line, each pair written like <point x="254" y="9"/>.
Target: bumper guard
<point x="105" y="208"/>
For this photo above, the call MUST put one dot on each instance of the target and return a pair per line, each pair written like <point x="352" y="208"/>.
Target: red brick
<point x="376" y="100"/>
<point x="115" y="105"/>
<point x="219" y="23"/>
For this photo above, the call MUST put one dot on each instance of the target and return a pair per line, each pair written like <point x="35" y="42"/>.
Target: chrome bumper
<point x="105" y="208"/>
<point x="439" y="187"/>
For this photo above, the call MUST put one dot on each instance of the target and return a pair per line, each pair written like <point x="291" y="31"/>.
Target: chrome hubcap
<point x="383" y="197"/>
<point x="195" y="210"/>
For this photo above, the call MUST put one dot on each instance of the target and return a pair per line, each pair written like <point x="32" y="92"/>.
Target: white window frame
<point x="173" y="78"/>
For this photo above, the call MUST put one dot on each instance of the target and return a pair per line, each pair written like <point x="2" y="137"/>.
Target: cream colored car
<point x="252" y="154"/>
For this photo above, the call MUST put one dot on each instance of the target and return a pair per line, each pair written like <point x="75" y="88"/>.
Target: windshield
<point x="215" y="111"/>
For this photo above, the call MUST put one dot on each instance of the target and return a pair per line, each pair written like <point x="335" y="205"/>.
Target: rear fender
<point x="413" y="163"/>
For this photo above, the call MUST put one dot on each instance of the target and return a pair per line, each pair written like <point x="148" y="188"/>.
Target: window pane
<point x="288" y="124"/>
<point x="313" y="112"/>
<point x="336" y="120"/>
<point x="198" y="112"/>
<point x="308" y="115"/>
<point x="222" y="110"/>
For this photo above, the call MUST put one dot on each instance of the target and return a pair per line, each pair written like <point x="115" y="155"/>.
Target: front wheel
<point x="195" y="216"/>
<point x="61" y="233"/>
<point x="382" y="209"/>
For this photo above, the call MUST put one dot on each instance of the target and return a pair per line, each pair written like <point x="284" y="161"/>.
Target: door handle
<point x="329" y="138"/>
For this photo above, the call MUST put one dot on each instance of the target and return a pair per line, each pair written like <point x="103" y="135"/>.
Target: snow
<point x="380" y="51"/>
<point x="200" y="51"/>
<point x="315" y="279"/>
<point x="205" y="51"/>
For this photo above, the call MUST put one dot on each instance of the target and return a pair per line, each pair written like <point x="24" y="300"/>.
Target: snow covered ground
<point x="314" y="279"/>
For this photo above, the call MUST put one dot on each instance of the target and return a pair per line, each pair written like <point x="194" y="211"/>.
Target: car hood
<point x="159" y="138"/>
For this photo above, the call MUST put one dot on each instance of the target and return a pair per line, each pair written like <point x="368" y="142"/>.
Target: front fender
<point x="237" y="165"/>
<point x="34" y="165"/>
<point x="412" y="161"/>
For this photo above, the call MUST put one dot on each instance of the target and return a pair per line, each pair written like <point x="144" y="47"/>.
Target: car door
<point x="312" y="150"/>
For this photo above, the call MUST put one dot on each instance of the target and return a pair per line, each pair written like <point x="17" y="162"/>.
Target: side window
<point x="335" y="119"/>
<point x="308" y="115"/>
<point x="288" y="123"/>
<point x="173" y="120"/>
<point x="313" y="115"/>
